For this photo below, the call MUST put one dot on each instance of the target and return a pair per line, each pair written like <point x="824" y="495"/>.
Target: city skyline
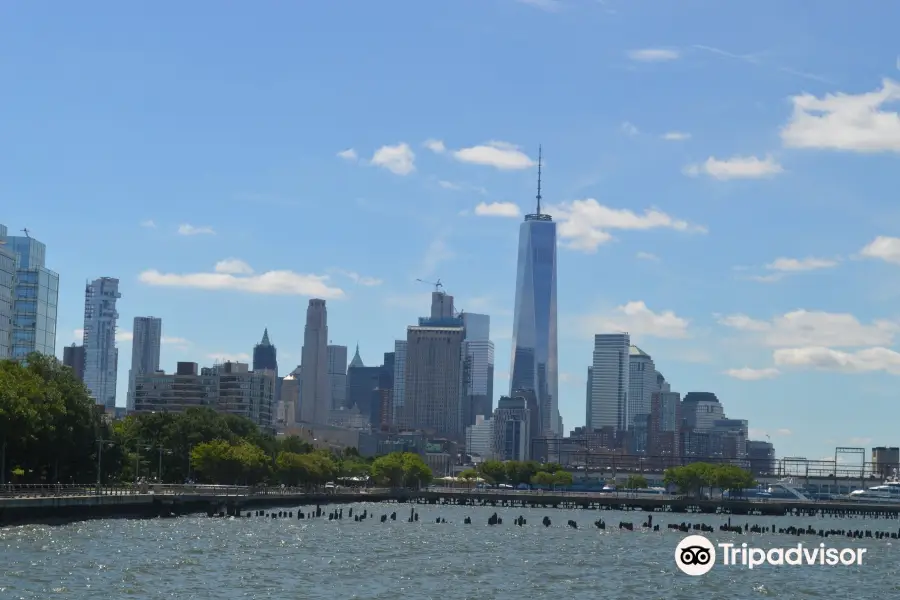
<point x="711" y="195"/>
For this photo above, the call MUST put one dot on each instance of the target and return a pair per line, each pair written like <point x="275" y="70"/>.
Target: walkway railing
<point x="14" y="490"/>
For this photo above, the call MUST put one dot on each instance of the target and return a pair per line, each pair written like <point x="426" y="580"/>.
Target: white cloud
<point x="793" y="265"/>
<point x="233" y="266"/>
<point x="436" y="146"/>
<point x="802" y="328"/>
<point x="738" y="167"/>
<point x="820" y="358"/>
<point x="398" y="159"/>
<point x="186" y="229"/>
<point x="228" y="357"/>
<point x="565" y="378"/>
<point x="348" y="154"/>
<point x="748" y="374"/>
<point x="851" y="122"/>
<point x="883" y="247"/>
<point x="653" y="55"/>
<point x="449" y="185"/>
<point x="676" y="136"/>
<point x="270" y="282"/>
<point x="149" y="223"/>
<point x="360" y="279"/>
<point x="585" y="224"/>
<point x="770" y="278"/>
<point x="638" y="320"/>
<point x="629" y="129"/>
<point x="498" y="209"/>
<point x="500" y="155"/>
<point x="646" y="256"/>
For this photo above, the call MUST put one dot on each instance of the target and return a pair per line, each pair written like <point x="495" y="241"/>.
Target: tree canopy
<point x="51" y="431"/>
<point x="693" y="478"/>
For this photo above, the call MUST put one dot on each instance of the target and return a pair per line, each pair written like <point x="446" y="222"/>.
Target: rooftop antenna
<point x="540" y="159"/>
<point x="26" y="232"/>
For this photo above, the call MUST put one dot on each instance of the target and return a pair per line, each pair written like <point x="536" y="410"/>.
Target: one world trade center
<point x="535" y="371"/>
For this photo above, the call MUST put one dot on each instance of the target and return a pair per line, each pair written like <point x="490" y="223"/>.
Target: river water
<point x="196" y="557"/>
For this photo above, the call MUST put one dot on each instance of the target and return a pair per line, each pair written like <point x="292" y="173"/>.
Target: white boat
<point x="787" y="489"/>
<point x="888" y="492"/>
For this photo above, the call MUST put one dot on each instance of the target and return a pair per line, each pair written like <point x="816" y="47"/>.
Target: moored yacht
<point x="888" y="492"/>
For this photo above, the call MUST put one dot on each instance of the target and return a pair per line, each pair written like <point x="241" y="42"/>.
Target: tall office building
<point x="642" y="384"/>
<point x="8" y="263"/>
<point x="265" y="355"/>
<point x="479" y="352"/>
<point x="315" y="389"/>
<point x="534" y="337"/>
<point x="101" y="357"/>
<point x="34" y="293"/>
<point x="362" y="389"/>
<point x="609" y="377"/>
<point x="145" y="349"/>
<point x="435" y="369"/>
<point x="399" y="393"/>
<point x="512" y="430"/>
<point x="73" y="357"/>
<point x="337" y="375"/>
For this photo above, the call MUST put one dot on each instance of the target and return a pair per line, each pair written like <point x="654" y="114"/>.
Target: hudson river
<point x="224" y="559"/>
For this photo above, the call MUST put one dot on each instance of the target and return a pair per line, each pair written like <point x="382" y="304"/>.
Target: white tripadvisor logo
<point x="695" y="555"/>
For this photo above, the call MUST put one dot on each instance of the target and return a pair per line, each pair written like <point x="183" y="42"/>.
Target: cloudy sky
<point x="724" y="177"/>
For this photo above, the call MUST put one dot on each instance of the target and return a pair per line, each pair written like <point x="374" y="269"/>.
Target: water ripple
<point x="197" y="558"/>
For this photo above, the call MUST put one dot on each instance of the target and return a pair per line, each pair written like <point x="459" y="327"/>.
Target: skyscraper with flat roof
<point x="30" y="326"/>
<point x="145" y="350"/>
<point x="535" y="363"/>
<point x="610" y="382"/>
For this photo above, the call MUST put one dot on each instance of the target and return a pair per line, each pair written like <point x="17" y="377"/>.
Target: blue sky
<point x="721" y="173"/>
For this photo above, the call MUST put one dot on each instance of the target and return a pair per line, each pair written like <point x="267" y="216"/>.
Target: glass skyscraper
<point x="535" y="364"/>
<point x="34" y="293"/>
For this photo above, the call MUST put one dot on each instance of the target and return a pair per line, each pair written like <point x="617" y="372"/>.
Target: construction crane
<point x="438" y="286"/>
<point x="26" y="232"/>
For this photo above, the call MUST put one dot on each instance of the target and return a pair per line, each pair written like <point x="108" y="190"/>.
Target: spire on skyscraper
<point x="357" y="360"/>
<point x="265" y="339"/>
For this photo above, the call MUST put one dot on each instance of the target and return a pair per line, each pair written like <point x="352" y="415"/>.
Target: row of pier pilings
<point x="336" y="514"/>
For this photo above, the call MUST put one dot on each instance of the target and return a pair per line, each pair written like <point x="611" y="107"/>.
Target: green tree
<point x="635" y="482"/>
<point x="401" y="469"/>
<point x="562" y="478"/>
<point x="388" y="470"/>
<point x="493" y="471"/>
<point x="543" y="479"/>
<point x="469" y="476"/>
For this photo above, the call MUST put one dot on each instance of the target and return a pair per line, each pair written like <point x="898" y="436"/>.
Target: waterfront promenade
<point x="30" y="504"/>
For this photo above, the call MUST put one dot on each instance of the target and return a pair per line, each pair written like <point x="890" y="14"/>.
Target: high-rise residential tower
<point x="315" y="389"/>
<point x="145" y="349"/>
<point x="101" y="357"/>
<point x="337" y="375"/>
<point x="34" y="294"/>
<point x="534" y="337"/>
<point x="609" y="378"/>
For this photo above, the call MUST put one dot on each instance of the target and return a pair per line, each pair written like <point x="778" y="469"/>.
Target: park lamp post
<point x="100" y="443"/>
<point x="159" y="467"/>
